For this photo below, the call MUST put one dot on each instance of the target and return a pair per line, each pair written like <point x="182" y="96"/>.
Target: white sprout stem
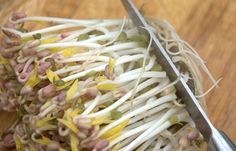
<point x="150" y="112"/>
<point x="156" y="90"/>
<point x="120" y="61"/>
<point x="119" y="46"/>
<point x="182" y="116"/>
<point x="150" y="99"/>
<point x="47" y="110"/>
<point x="92" y="106"/>
<point x="158" y="144"/>
<point x="27" y="64"/>
<point x="132" y="78"/>
<point x="22" y="59"/>
<point x="159" y="101"/>
<point x="67" y="69"/>
<point x="129" y="85"/>
<point x="211" y="88"/>
<point x="138" y="70"/>
<point x="48" y="36"/>
<point x="148" y="74"/>
<point x="59" y="20"/>
<point x="48" y="29"/>
<point x="154" y="130"/>
<point x="83" y="31"/>
<point x="93" y="65"/>
<point x="76" y="34"/>
<point x="172" y="139"/>
<point x="69" y="44"/>
<point x="45" y="105"/>
<point x="146" y="54"/>
<point x="110" y="23"/>
<point x="163" y="85"/>
<point x="122" y="99"/>
<point x="131" y="51"/>
<point x="117" y="35"/>
<point x="108" y="96"/>
<point x="14" y="49"/>
<point x="84" y="58"/>
<point x="132" y="132"/>
<point x="168" y="147"/>
<point x="77" y="94"/>
<point x="77" y="67"/>
<point x="148" y="143"/>
<point x="127" y="141"/>
<point x="81" y="22"/>
<point x="118" y="69"/>
<point x="103" y="99"/>
<point x="123" y="108"/>
<point x="130" y="67"/>
<point x="135" y="72"/>
<point x="150" y="116"/>
<point x="12" y="31"/>
<point x="146" y="95"/>
<point x="107" y="36"/>
<point x="142" y="121"/>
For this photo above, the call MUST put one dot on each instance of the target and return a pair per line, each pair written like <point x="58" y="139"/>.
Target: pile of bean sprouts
<point x="94" y="85"/>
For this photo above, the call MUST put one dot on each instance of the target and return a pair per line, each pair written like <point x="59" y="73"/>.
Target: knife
<point x="217" y="139"/>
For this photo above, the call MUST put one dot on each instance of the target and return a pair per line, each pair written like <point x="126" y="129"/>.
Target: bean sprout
<point x="95" y="85"/>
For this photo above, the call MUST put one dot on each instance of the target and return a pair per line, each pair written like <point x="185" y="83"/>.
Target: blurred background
<point x="209" y="26"/>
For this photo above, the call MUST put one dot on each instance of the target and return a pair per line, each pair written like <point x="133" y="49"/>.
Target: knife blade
<point x="196" y="112"/>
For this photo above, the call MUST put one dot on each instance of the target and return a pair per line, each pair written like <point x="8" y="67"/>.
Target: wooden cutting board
<point x="209" y="26"/>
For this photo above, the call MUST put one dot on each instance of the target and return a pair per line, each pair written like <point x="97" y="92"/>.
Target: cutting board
<point x="209" y="26"/>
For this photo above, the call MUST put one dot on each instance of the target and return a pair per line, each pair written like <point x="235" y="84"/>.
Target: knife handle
<point x="219" y="141"/>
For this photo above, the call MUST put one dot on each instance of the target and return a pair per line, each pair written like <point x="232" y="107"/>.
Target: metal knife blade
<point x="216" y="140"/>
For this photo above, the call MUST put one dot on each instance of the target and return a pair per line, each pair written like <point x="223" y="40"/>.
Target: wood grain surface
<point x="209" y="26"/>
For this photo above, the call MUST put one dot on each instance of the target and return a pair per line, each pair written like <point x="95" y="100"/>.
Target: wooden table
<point x="209" y="26"/>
